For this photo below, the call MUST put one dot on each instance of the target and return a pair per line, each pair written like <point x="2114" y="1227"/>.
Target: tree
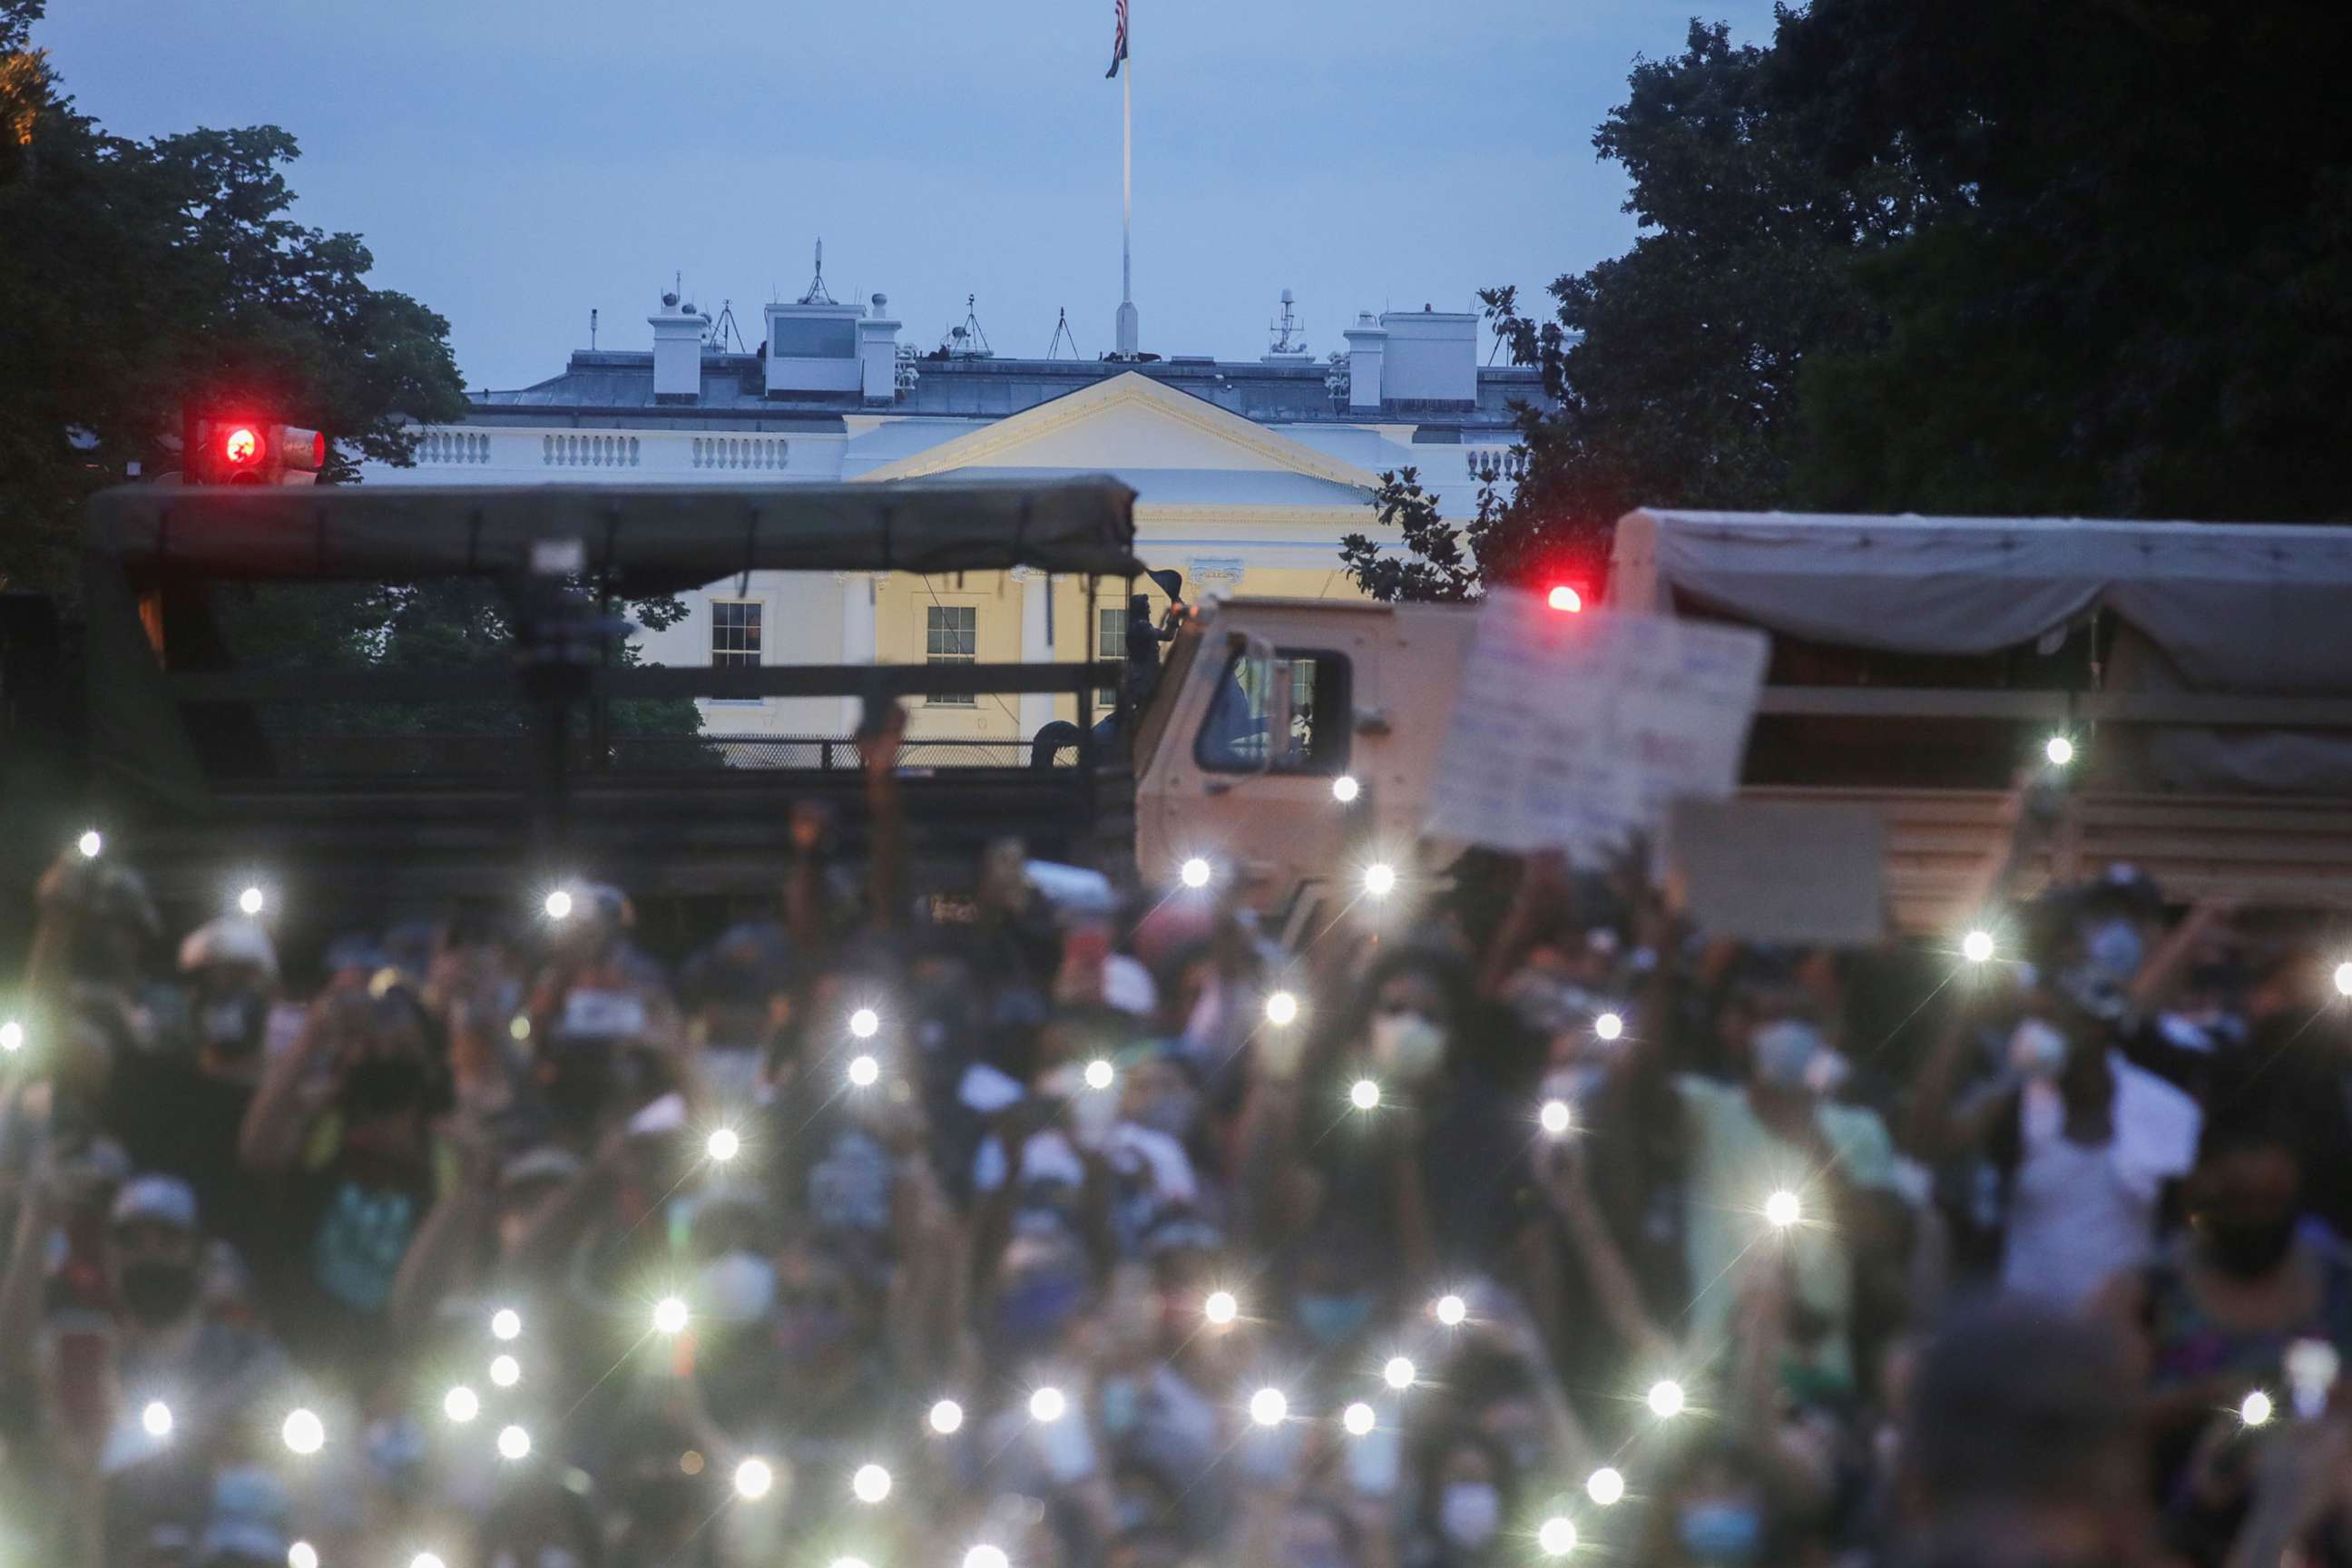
<point x="167" y="273"/>
<point x="1672" y="371"/>
<point x="1441" y="563"/>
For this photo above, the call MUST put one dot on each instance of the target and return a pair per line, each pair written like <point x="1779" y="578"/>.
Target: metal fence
<point x="312" y="754"/>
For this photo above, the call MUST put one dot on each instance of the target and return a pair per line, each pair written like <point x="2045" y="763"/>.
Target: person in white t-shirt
<point x="2085" y="1143"/>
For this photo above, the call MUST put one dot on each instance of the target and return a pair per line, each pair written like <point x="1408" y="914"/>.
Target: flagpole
<point x="1126" y="174"/>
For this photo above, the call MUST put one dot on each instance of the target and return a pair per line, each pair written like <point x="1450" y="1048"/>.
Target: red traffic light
<point x="246" y="450"/>
<point x="1567" y="597"/>
<point x="241" y="446"/>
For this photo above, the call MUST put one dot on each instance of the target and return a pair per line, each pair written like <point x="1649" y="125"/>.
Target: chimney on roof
<point x="1367" y="345"/>
<point x="877" y="353"/>
<point x="1433" y="357"/>
<point x="677" y="351"/>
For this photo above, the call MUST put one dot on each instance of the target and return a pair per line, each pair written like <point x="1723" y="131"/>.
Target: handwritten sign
<point x="1573" y="731"/>
<point x="1786" y="871"/>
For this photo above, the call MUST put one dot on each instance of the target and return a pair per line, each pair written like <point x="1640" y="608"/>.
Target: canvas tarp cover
<point x="2234" y="607"/>
<point x="651" y="538"/>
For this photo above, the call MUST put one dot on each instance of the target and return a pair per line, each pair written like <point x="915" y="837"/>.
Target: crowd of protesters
<point x="1020" y="1225"/>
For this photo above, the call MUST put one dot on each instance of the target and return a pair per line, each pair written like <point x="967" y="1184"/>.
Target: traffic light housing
<point x="230" y="449"/>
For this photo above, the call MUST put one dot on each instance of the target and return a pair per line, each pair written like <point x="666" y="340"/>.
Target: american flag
<point x="1118" y="40"/>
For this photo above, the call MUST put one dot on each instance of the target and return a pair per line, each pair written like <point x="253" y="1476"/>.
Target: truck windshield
<point x="1288" y="714"/>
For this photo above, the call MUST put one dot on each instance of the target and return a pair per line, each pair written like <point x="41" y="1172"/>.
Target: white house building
<point x="1247" y="473"/>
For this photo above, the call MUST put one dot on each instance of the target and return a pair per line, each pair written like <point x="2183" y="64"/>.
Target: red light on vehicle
<point x="242" y="445"/>
<point x="1564" y="596"/>
<point x="317" y="449"/>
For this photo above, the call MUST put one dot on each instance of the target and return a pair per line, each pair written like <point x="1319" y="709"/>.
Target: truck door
<point x="1250" y="786"/>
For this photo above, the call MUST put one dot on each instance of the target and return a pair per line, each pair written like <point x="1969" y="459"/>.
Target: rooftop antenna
<point x="816" y="294"/>
<point x="967" y="342"/>
<point x="591" y="329"/>
<point x="1062" y="334"/>
<point x="1289" y="336"/>
<point x="723" y="329"/>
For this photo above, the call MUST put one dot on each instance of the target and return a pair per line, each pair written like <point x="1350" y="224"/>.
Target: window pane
<point x="735" y="631"/>
<point x="818" y="339"/>
<point x="951" y="635"/>
<point x="1283" y="715"/>
<point x="1110" y="644"/>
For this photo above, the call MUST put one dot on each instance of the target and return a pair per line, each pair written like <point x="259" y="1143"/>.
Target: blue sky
<point x="515" y="163"/>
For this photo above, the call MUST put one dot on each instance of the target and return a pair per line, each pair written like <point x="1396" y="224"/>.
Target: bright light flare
<point x="1556" y="1537"/>
<point x="1221" y="1307"/>
<point x="1606" y="1486"/>
<point x="1399" y="1372"/>
<point x="461" y="1404"/>
<point x="1099" y="1074"/>
<point x="1195" y="872"/>
<point x="723" y="1144"/>
<point x="865" y="1023"/>
<point x="506" y="1323"/>
<point x="1268" y="1406"/>
<point x="2342" y="988"/>
<point x="1556" y="1118"/>
<point x="426" y="1560"/>
<point x="986" y="1556"/>
<point x="1666" y="1398"/>
<point x="558" y="905"/>
<point x="303" y="1432"/>
<point x="514" y="1443"/>
<point x="249" y="902"/>
<point x="1977" y="946"/>
<point x="2059" y="750"/>
<point x="1345" y="789"/>
<point x="1380" y="878"/>
<point x="670" y="1316"/>
<point x="157" y="1418"/>
<point x="1282" y="1008"/>
<point x="1450" y="1309"/>
<point x="2255" y="1410"/>
<point x="302" y="1555"/>
<point x="864" y="1072"/>
<point x="90" y="843"/>
<point x="1358" y="1419"/>
<point x="1609" y="1025"/>
<point x="1565" y="599"/>
<point x="1047" y="1404"/>
<point x="505" y="1371"/>
<point x="753" y="1479"/>
<point x="1782" y="1210"/>
<point x="947" y="1417"/>
<point x="871" y="1484"/>
<point x="1365" y="1095"/>
<point x="12" y="1034"/>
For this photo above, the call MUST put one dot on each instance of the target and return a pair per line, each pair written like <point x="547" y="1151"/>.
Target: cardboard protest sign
<point x="1573" y="731"/>
<point x="1803" y="873"/>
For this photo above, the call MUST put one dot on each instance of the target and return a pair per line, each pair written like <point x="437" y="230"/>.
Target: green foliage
<point x="1921" y="255"/>
<point x="167" y="274"/>
<point x="1441" y="563"/>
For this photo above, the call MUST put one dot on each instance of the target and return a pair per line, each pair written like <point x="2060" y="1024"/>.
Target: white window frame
<point x="942" y="608"/>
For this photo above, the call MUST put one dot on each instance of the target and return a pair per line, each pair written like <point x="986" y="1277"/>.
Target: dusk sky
<point x="514" y="164"/>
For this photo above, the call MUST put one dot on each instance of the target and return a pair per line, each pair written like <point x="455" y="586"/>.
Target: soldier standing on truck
<point x="1144" y="636"/>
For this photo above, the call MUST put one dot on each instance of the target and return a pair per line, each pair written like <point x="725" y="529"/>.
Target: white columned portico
<point x="1037" y="643"/>
<point x="858" y="640"/>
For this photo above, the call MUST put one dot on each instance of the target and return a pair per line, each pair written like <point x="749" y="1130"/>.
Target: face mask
<point x="233" y="1024"/>
<point x="1407" y="1045"/>
<point x="157" y="1292"/>
<point x="1331" y="1321"/>
<point x="738" y="1287"/>
<point x="2247" y="1249"/>
<point x="1469" y="1515"/>
<point x="1122" y="1407"/>
<point x="2037" y="1049"/>
<point x="1720" y="1531"/>
<point x="2114" y="948"/>
<point x="1783" y="1054"/>
<point x="1578" y="1085"/>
